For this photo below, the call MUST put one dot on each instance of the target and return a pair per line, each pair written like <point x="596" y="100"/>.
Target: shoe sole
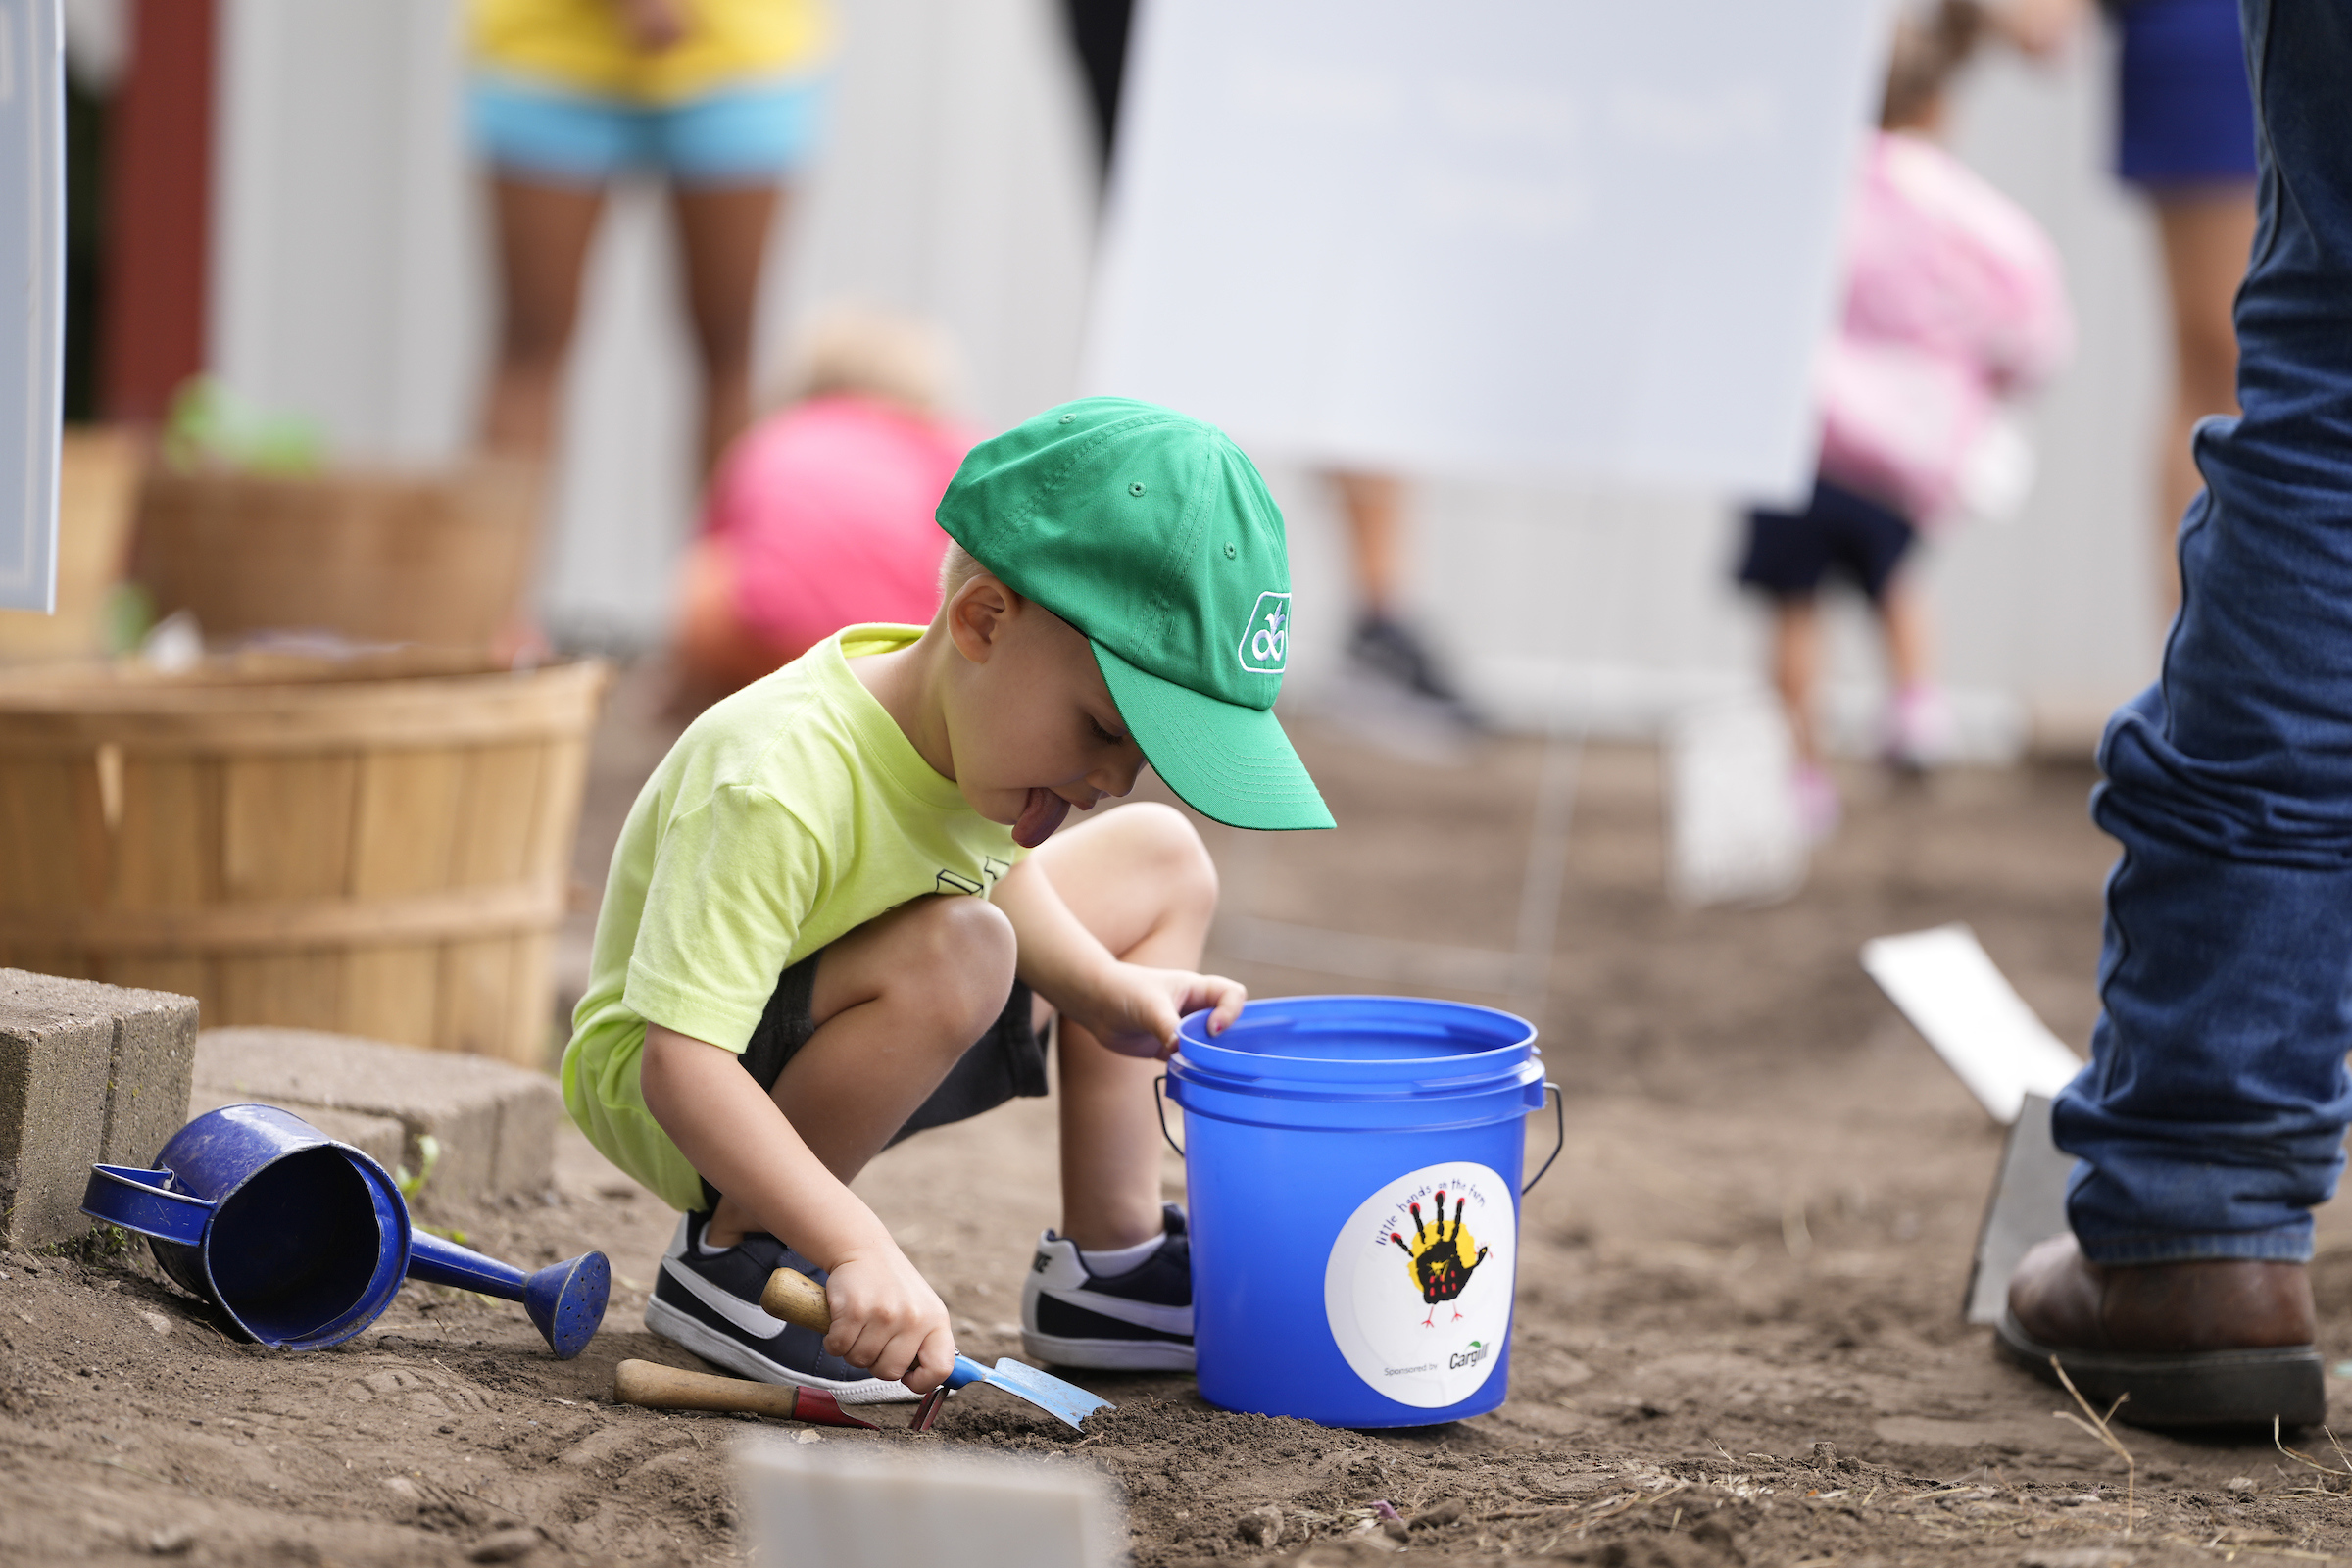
<point x="1107" y="1355"/>
<point x="720" y="1349"/>
<point x="2187" y="1388"/>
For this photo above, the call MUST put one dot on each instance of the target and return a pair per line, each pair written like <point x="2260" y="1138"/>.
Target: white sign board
<point x="33" y="313"/>
<point x="1573" y="239"/>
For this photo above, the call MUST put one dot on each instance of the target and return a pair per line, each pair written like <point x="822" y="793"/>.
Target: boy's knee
<point x="962" y="956"/>
<point x="1175" y="859"/>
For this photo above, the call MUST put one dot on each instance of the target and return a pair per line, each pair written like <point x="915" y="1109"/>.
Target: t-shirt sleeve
<point x="733" y="882"/>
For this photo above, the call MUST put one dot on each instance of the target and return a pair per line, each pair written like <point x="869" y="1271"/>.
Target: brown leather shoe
<point x="2221" y="1343"/>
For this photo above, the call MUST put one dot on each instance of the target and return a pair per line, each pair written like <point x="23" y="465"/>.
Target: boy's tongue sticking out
<point x="1039" y="817"/>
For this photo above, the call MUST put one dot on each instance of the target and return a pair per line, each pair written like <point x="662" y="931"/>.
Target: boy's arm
<point x="1130" y="1007"/>
<point x="885" y="1317"/>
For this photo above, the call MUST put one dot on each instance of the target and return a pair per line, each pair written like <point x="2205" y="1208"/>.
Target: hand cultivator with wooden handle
<point x="799" y="1300"/>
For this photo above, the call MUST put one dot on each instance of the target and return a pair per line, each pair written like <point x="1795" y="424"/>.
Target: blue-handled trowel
<point x="799" y="1300"/>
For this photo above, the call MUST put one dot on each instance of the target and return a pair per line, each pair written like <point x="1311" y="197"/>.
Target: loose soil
<point x="1738" y="1341"/>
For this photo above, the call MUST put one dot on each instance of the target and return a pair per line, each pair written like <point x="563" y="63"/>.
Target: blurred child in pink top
<point x="820" y="516"/>
<point x="1955" y="304"/>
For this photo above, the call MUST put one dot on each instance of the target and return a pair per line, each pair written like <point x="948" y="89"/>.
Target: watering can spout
<point x="564" y="1301"/>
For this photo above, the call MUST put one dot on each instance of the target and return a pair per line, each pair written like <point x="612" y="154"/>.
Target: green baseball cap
<point x="1154" y="535"/>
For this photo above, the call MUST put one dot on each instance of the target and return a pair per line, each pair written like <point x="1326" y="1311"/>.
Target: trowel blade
<point x="2028" y="1207"/>
<point x="1048" y="1393"/>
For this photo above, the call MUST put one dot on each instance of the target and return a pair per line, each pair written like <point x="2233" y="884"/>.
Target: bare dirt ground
<point x="1737" y="1339"/>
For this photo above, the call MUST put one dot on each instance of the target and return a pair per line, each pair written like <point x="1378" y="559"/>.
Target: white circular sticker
<point x="1418" y="1289"/>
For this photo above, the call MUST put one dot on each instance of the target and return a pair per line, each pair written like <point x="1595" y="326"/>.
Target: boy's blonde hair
<point x="860" y="350"/>
<point x="955" y="568"/>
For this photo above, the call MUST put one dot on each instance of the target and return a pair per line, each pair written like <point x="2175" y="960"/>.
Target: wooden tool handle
<point x="668" y="1388"/>
<point x="798" y="1300"/>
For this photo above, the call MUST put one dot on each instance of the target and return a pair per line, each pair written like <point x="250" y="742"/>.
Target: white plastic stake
<point x="1946" y="983"/>
<point x="1735" y="837"/>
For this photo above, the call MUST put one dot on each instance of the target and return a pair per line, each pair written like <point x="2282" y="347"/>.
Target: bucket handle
<point x="1159" y="1097"/>
<point x="1559" y="1125"/>
<point x="142" y="1201"/>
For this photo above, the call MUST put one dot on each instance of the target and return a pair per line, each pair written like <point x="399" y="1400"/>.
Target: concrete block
<point x="495" y="1123"/>
<point x="89" y="1072"/>
<point x="155" y="1059"/>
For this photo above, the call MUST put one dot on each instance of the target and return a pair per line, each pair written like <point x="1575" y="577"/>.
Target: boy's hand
<point x="1140" y="1007"/>
<point x="888" y="1321"/>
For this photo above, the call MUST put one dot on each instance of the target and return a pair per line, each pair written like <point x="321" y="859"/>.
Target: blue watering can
<point x="304" y="1241"/>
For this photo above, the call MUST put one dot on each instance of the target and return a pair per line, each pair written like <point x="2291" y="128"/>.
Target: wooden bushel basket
<point x="377" y="846"/>
<point x="433" y="559"/>
<point x="97" y="482"/>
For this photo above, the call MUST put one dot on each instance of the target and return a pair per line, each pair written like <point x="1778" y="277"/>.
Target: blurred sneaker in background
<point x="1819" y="808"/>
<point x="1390" y="651"/>
<point x="1918" y="729"/>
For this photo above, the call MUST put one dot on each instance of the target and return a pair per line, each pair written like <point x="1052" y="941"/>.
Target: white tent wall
<point x="350" y="285"/>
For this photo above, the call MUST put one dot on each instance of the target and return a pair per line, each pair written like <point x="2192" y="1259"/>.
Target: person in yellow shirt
<point x="723" y="98"/>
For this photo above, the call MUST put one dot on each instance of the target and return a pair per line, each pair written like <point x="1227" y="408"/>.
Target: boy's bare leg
<point x="897" y="1002"/>
<point x="2207" y="233"/>
<point x="1375" y="507"/>
<point x="1910" y="642"/>
<point x="723" y="234"/>
<point x="1795" y="665"/>
<point x="543" y="233"/>
<point x="1141" y="880"/>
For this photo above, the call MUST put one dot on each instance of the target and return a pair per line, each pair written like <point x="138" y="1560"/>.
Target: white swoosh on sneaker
<point x="1143" y="1315"/>
<point x="745" y="1315"/>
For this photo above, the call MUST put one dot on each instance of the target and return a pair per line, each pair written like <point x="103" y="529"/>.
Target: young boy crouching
<point x="834" y="917"/>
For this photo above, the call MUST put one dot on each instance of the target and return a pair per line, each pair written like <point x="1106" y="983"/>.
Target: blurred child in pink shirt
<point x="820" y="516"/>
<point x="1954" y="304"/>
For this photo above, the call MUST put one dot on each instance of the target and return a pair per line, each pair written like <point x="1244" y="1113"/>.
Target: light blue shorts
<point x="739" y="136"/>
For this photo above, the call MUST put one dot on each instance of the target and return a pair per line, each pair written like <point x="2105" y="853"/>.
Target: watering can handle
<point x="1559" y="1125"/>
<point x="142" y="1201"/>
<point x="1159" y="1097"/>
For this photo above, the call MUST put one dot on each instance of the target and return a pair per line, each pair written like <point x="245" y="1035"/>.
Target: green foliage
<point x="126" y="617"/>
<point x="209" y="426"/>
<point x="428" y="1155"/>
<point x="100" y="1243"/>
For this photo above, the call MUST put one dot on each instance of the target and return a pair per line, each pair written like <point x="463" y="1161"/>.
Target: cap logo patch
<point x="1266" y="643"/>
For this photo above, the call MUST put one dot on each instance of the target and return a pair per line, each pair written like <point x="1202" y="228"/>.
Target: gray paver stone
<point x="89" y="1072"/>
<point x="155" y="1059"/>
<point x="495" y="1123"/>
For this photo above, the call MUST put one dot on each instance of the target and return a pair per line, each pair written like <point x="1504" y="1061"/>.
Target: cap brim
<point x="1231" y="764"/>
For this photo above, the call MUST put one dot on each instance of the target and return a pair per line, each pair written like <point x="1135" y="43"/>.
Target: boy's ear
<point x="978" y="613"/>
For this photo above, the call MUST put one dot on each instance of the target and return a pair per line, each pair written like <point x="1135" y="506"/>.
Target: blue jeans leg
<point x="2212" y="1116"/>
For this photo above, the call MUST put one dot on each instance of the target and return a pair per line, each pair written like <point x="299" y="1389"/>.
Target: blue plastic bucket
<point x="303" y="1241"/>
<point x="1352" y="1169"/>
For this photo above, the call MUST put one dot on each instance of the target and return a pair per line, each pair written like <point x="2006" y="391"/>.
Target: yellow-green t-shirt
<point x="583" y="45"/>
<point x="785" y="817"/>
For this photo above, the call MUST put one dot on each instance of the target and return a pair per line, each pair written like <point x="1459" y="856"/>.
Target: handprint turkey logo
<point x="1430" y="1333"/>
<point x="1441" y="1257"/>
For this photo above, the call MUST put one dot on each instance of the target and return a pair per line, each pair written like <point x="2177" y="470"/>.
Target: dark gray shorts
<point x="1008" y="1062"/>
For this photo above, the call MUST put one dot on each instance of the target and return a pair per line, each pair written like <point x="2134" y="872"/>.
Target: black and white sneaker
<point x="710" y="1303"/>
<point x="1140" y="1320"/>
